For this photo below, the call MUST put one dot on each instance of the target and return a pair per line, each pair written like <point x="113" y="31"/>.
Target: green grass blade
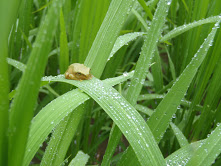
<point x="93" y="13"/>
<point x="182" y="156"/>
<point x="20" y="66"/>
<point x="8" y="14"/>
<point x="146" y="8"/>
<point x="109" y="151"/>
<point x="80" y="159"/>
<point x="144" y="109"/>
<point x="119" y="79"/>
<point x="179" y="135"/>
<point x="211" y="101"/>
<point x="57" y="50"/>
<point x="61" y="138"/>
<point x="152" y="3"/>
<point x="107" y="35"/>
<point x="179" y="157"/>
<point x="179" y="30"/>
<point x="87" y="11"/>
<point x="206" y="82"/>
<point x="124" y="40"/>
<point x="206" y="154"/>
<point x="186" y="7"/>
<point x="147" y="51"/>
<point x="76" y="31"/>
<point x="23" y="27"/>
<point x="157" y="72"/>
<point x="202" y="85"/>
<point x="23" y="105"/>
<point x="53" y="113"/>
<point x="142" y="21"/>
<point x="64" y="51"/>
<point x="172" y="68"/>
<point x="48" y="118"/>
<point x="150" y="97"/>
<point x="125" y="116"/>
<point x="160" y="119"/>
<point x="132" y="161"/>
<point x="159" y="96"/>
<point x="4" y="103"/>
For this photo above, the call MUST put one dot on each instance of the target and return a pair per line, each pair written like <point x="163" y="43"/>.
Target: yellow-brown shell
<point x="77" y="71"/>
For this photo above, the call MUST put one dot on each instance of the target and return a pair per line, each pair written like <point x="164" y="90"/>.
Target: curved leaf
<point x="80" y="159"/>
<point x="182" y="156"/>
<point x="107" y="35"/>
<point x="124" y="115"/>
<point x="54" y="112"/>
<point x="124" y="40"/>
<point x="181" y="29"/>
<point x="208" y="152"/>
<point x="161" y="117"/>
<point x="48" y="118"/>
<point x="22" y="107"/>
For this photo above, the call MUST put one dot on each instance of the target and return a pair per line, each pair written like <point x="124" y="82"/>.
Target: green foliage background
<point x="154" y="98"/>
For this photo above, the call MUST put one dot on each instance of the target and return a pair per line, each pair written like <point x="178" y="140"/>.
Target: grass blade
<point x="146" y="8"/>
<point x="20" y="66"/>
<point x="179" y="30"/>
<point x="157" y="72"/>
<point x="182" y="156"/>
<point x="61" y="138"/>
<point x="8" y="13"/>
<point x="53" y="113"/>
<point x="124" y="40"/>
<point x="80" y="159"/>
<point x="207" y="153"/>
<point x="4" y="104"/>
<point x="179" y="135"/>
<point x="142" y="21"/>
<point x="147" y="51"/>
<point x="160" y="119"/>
<point x="64" y="51"/>
<point x="22" y="108"/>
<point x="50" y="116"/>
<point x="109" y="151"/>
<point x="125" y="116"/>
<point x="107" y="35"/>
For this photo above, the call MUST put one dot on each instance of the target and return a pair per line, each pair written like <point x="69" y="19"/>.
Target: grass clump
<point x="154" y="98"/>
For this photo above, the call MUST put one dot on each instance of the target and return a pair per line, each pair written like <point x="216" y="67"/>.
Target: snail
<point x="77" y="71"/>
